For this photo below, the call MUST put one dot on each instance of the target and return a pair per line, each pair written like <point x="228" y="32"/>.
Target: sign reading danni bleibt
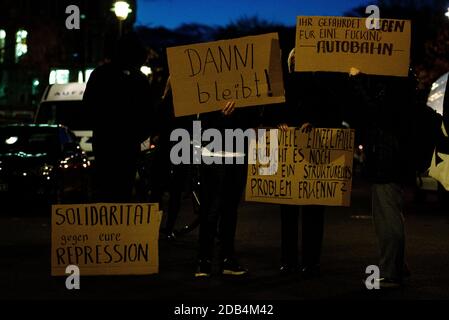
<point x="313" y="168"/>
<point x="105" y="239"/>
<point x="338" y="44"/>
<point x="246" y="70"/>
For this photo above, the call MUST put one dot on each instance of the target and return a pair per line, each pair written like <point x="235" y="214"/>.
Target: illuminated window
<point x="80" y="77"/>
<point x="59" y="76"/>
<point x="2" y="45"/>
<point x="21" y="44"/>
<point x="88" y="73"/>
<point x="146" y="70"/>
<point x="35" y="87"/>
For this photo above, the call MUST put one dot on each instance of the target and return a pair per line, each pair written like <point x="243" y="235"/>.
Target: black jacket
<point x="315" y="98"/>
<point x="119" y="103"/>
<point x="388" y="123"/>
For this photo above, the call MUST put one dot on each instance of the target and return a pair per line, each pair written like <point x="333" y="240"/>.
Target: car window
<point x="71" y="114"/>
<point x="29" y="140"/>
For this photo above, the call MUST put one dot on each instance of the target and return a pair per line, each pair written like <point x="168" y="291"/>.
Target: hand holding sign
<point x="229" y="108"/>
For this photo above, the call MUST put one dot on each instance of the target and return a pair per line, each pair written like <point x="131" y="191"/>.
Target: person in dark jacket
<point x="388" y="122"/>
<point x="118" y="99"/>
<point x="310" y="102"/>
<point x="169" y="176"/>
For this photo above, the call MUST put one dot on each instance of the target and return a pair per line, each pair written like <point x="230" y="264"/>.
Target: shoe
<point x="309" y="272"/>
<point x="204" y="269"/>
<point x="171" y="236"/>
<point x="406" y="273"/>
<point x="385" y="283"/>
<point x="231" y="267"/>
<point x="287" y="269"/>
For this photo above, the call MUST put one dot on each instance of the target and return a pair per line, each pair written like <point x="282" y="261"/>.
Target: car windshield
<point x="71" y="114"/>
<point x="29" y="140"/>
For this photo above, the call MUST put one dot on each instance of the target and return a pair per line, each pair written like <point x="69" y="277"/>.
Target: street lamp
<point x="447" y="13"/>
<point x="121" y="10"/>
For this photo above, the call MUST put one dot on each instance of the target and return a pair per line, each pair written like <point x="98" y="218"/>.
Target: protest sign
<point x="245" y="70"/>
<point x="105" y="239"/>
<point x="337" y="44"/>
<point x="313" y="168"/>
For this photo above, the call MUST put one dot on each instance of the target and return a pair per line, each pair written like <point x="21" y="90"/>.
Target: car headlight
<point x="46" y="170"/>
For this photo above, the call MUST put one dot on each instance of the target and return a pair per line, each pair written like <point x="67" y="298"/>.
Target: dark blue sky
<point x="172" y="13"/>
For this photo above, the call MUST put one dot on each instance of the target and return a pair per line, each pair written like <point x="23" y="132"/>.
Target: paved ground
<point x="349" y="247"/>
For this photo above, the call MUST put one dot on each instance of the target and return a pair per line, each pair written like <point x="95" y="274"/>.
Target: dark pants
<point x="387" y="207"/>
<point x="222" y="187"/>
<point x="178" y="178"/>
<point x="114" y="179"/>
<point x="312" y="234"/>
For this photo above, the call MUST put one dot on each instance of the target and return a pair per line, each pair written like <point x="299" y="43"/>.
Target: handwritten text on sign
<point x="105" y="239"/>
<point x="313" y="168"/>
<point x="245" y="70"/>
<point x="337" y="44"/>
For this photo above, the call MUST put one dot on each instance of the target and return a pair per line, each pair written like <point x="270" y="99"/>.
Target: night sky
<point x="172" y="13"/>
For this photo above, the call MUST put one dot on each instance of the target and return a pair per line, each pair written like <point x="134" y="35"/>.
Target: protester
<point x="222" y="186"/>
<point x="310" y="102"/>
<point x="118" y="99"/>
<point x="175" y="174"/>
<point x="388" y="122"/>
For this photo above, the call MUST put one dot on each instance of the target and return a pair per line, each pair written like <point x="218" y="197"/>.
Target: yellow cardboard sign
<point x="105" y="239"/>
<point x="246" y="70"/>
<point x="337" y="44"/>
<point x="313" y="168"/>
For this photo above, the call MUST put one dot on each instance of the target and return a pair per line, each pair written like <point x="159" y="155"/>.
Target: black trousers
<point x="178" y="179"/>
<point x="114" y="178"/>
<point x="312" y="234"/>
<point x="222" y="187"/>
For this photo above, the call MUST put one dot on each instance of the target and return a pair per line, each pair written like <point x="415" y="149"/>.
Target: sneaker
<point x="232" y="268"/>
<point x="385" y="283"/>
<point x="309" y="272"/>
<point x="204" y="269"/>
<point x="171" y="237"/>
<point x="287" y="269"/>
<point x="406" y="273"/>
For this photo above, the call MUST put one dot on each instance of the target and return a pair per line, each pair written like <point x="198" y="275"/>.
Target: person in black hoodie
<point x="118" y="99"/>
<point x="311" y="101"/>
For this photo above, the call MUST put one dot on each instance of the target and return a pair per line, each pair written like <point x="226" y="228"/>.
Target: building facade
<point x="37" y="48"/>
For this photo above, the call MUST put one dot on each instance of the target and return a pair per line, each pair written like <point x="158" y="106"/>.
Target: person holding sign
<point x="168" y="175"/>
<point x="310" y="103"/>
<point x="223" y="180"/>
<point x="388" y="121"/>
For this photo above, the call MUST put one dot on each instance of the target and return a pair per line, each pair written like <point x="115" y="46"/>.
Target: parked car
<point x="63" y="104"/>
<point x="41" y="160"/>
